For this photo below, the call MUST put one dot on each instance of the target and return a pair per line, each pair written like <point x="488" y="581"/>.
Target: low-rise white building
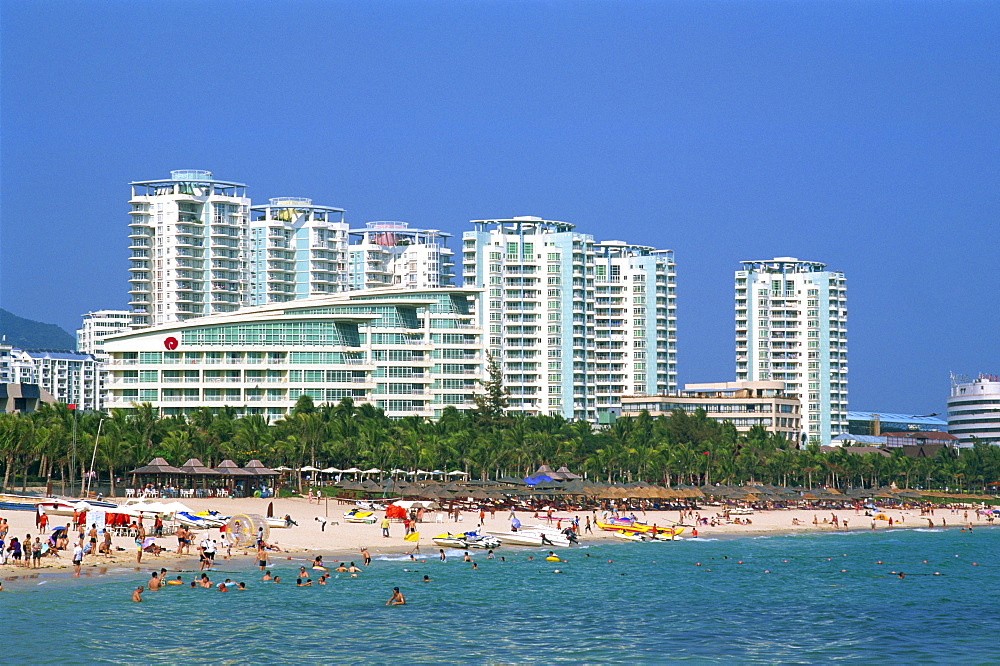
<point x="745" y="404"/>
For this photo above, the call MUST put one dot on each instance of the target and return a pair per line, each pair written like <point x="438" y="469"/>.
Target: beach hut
<point x="194" y="469"/>
<point x="257" y="468"/>
<point x="236" y="475"/>
<point x="158" y="469"/>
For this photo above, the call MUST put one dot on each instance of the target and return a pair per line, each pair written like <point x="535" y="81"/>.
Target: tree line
<point x="58" y="445"/>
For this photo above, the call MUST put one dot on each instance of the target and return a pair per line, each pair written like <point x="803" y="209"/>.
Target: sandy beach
<point x="340" y="540"/>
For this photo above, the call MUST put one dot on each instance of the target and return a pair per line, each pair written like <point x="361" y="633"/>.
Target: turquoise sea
<point x="827" y="598"/>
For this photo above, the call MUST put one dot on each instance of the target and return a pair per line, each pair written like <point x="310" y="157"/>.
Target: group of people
<point x="158" y="580"/>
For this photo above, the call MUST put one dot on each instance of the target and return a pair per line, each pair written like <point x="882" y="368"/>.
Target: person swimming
<point x="397" y="598"/>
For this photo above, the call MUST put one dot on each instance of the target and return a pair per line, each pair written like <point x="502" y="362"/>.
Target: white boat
<point x="467" y="540"/>
<point x="526" y="537"/>
<point x="630" y="536"/>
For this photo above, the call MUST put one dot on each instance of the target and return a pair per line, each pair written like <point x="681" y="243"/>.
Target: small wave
<point x="926" y="529"/>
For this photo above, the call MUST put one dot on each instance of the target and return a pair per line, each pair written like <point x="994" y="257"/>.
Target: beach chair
<point x="130" y="492"/>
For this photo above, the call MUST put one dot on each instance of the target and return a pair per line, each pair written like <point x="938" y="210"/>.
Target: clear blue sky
<point x="860" y="134"/>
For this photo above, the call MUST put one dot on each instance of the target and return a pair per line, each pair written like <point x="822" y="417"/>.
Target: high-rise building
<point x="636" y="320"/>
<point x="540" y="311"/>
<point x="296" y="250"/>
<point x="791" y="326"/>
<point x="391" y="254"/>
<point x="97" y="326"/>
<point x="188" y="241"/>
<point x="974" y="409"/>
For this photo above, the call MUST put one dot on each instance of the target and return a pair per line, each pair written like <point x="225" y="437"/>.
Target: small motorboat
<point x="359" y="515"/>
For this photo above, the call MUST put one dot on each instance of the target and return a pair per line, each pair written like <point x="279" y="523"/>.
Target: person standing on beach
<point x="261" y="556"/>
<point x="77" y="559"/>
<point x="385" y="527"/>
<point x="366" y="556"/>
<point x="138" y="550"/>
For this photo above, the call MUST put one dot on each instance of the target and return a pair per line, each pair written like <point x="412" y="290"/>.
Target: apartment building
<point x="188" y="238"/>
<point x="540" y="314"/>
<point x="391" y="254"/>
<point x="791" y="326"/>
<point x="296" y="250"/>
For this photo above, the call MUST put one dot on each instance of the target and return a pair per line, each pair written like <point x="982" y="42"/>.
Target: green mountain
<point x="30" y="334"/>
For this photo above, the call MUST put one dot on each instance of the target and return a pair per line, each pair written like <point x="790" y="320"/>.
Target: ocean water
<point x="826" y="598"/>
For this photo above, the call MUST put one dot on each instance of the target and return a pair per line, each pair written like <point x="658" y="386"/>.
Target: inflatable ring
<point x="552" y="559"/>
<point x="256" y="493"/>
<point x="175" y="582"/>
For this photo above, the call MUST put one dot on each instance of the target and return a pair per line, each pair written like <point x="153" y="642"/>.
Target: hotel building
<point x="565" y="346"/>
<point x="188" y="242"/>
<point x="296" y="250"/>
<point x="409" y="352"/>
<point x="791" y="326"/>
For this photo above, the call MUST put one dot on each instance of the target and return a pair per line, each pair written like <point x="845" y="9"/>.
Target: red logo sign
<point x="170" y="343"/>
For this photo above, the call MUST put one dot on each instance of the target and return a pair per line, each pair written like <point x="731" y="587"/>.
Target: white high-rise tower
<point x="188" y="238"/>
<point x="574" y="324"/>
<point x="791" y="325"/>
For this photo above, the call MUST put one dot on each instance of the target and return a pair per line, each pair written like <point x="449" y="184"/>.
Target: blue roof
<point x="896" y="418"/>
<point x="66" y="356"/>
<point x="861" y="439"/>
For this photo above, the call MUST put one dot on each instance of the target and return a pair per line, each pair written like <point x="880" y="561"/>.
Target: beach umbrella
<point x="351" y="470"/>
<point x="373" y="470"/>
<point x="309" y="468"/>
<point x="331" y="470"/>
<point x="458" y="472"/>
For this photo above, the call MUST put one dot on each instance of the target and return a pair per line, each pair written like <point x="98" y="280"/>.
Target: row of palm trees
<point x="58" y="444"/>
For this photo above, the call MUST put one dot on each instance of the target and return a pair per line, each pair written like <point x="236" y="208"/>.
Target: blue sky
<point x="860" y="134"/>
